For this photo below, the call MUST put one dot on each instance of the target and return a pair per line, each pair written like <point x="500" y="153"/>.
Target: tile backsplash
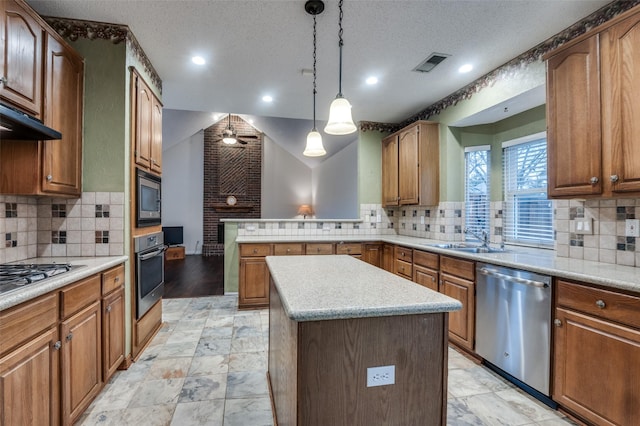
<point x="92" y="225"/>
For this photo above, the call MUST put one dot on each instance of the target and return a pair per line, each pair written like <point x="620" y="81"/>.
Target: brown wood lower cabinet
<point x="253" y="283"/>
<point x="52" y="348"/>
<point x="597" y="354"/>
<point x="372" y="254"/>
<point x="457" y="280"/>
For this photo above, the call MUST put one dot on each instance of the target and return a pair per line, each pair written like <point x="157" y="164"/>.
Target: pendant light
<point x="229" y="135"/>
<point x="340" y="121"/>
<point x="314" y="146"/>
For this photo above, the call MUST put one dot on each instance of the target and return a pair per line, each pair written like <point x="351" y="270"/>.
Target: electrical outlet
<point x="584" y="226"/>
<point x="422" y="220"/>
<point x="378" y="218"/>
<point x="326" y="228"/>
<point x="250" y="228"/>
<point x="381" y="376"/>
<point x="632" y="228"/>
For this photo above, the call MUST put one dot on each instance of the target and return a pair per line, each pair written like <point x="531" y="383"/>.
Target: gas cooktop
<point x="14" y="276"/>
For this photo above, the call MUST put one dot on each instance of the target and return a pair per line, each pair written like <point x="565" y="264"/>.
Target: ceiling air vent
<point x="431" y="62"/>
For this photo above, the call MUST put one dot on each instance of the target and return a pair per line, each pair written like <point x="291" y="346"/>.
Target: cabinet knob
<point x="557" y="322"/>
<point x="433" y="279"/>
<point x="116" y="279"/>
<point x="49" y="178"/>
<point x="600" y="304"/>
<point x="255" y="251"/>
<point x="57" y="345"/>
<point x="614" y="178"/>
<point x="318" y="249"/>
<point x="594" y="180"/>
<point x="288" y="250"/>
<point x="69" y="337"/>
<point x="3" y="80"/>
<point x="109" y="308"/>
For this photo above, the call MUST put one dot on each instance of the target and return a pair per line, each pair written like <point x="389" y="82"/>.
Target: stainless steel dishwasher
<point x="513" y="325"/>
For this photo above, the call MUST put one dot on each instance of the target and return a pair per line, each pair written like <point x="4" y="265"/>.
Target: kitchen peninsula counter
<point x="332" y="318"/>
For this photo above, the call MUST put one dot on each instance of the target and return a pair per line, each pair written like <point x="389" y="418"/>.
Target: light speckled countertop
<point x="85" y="266"/>
<point x="530" y="259"/>
<point x="316" y="288"/>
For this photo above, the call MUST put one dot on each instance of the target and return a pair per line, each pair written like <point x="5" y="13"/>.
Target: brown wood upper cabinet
<point x="147" y="125"/>
<point x="21" y="64"/>
<point x="410" y="166"/>
<point x="52" y="167"/>
<point x="593" y="117"/>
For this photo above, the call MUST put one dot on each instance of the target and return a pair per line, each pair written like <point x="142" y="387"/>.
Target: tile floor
<point x="207" y="366"/>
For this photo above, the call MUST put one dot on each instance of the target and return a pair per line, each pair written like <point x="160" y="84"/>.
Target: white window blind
<point x="528" y="215"/>
<point x="476" y="190"/>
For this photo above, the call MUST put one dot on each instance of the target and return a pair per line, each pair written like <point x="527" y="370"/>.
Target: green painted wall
<point x="370" y="167"/>
<point x="105" y="118"/>
<point x="231" y="258"/>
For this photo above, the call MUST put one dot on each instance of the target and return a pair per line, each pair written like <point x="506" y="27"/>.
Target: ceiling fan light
<point x="314" y="146"/>
<point x="229" y="140"/>
<point x="340" y="121"/>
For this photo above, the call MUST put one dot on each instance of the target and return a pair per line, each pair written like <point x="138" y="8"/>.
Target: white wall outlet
<point x="584" y="226"/>
<point x="250" y="228"/>
<point x="422" y="220"/>
<point x="326" y="228"/>
<point x="632" y="228"/>
<point x="378" y="218"/>
<point x="381" y="376"/>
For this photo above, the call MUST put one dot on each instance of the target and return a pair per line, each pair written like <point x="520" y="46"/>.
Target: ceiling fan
<point x="230" y="136"/>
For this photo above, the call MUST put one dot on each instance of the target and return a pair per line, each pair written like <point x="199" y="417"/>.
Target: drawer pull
<point x="288" y="250"/>
<point x="600" y="304"/>
<point x="557" y="322"/>
<point x="255" y="251"/>
<point x="116" y="279"/>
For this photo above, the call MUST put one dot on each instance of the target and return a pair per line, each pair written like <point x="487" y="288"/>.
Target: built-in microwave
<point x="148" y="199"/>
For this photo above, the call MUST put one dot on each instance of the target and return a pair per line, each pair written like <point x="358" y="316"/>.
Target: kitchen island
<point x="331" y="318"/>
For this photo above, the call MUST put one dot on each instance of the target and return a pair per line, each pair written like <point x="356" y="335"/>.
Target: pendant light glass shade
<point x="340" y="121"/>
<point x="314" y="146"/>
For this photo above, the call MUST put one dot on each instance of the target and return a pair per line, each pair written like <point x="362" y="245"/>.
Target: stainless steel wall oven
<point x="148" y="199"/>
<point x="149" y="254"/>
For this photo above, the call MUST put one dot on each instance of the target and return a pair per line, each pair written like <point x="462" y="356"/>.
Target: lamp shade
<point x="229" y="140"/>
<point x="340" y="121"/>
<point x="305" y="210"/>
<point x="314" y="146"/>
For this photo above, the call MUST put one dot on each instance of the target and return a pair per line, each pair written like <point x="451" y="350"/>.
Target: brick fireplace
<point x="229" y="170"/>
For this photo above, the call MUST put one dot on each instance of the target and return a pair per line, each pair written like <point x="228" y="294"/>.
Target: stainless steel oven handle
<point x="154" y="253"/>
<point x="494" y="273"/>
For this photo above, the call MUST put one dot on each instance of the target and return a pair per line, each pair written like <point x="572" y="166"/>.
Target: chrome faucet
<point x="483" y="236"/>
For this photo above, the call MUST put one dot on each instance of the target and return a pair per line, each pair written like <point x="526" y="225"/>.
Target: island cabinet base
<point x="318" y="369"/>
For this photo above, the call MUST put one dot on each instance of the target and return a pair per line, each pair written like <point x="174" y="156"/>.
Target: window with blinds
<point x="528" y="214"/>
<point x="476" y="190"/>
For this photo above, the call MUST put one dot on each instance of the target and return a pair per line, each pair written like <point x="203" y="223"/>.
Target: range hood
<point x="17" y="125"/>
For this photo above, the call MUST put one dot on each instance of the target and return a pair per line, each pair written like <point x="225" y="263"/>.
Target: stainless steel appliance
<point x="513" y="325"/>
<point x="13" y="276"/>
<point x="148" y="199"/>
<point x="149" y="254"/>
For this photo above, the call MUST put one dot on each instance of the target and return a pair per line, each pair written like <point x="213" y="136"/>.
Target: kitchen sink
<point x="468" y="248"/>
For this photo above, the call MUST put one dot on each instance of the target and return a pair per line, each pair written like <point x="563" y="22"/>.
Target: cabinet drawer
<point x="255" y="250"/>
<point x="349" y="248"/>
<point x="605" y="304"/>
<point x="404" y="269"/>
<point x="428" y="260"/>
<point x="403" y="253"/>
<point x="459" y="267"/>
<point x="77" y="296"/>
<point x="288" y="249"/>
<point x="21" y="323"/>
<point x="112" y="279"/>
<point x="319" y="248"/>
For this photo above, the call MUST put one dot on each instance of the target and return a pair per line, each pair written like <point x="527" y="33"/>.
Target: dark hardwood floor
<point x="194" y="276"/>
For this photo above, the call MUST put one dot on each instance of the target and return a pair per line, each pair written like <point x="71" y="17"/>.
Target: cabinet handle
<point x="433" y="279"/>
<point x="600" y="304"/>
<point x="3" y="80"/>
<point x="288" y="250"/>
<point x="557" y="322"/>
<point x="69" y="337"/>
<point x="614" y="178"/>
<point x="108" y="308"/>
<point x="49" y="178"/>
<point x="116" y="279"/>
<point x="57" y="345"/>
<point x="255" y="251"/>
<point x="594" y="180"/>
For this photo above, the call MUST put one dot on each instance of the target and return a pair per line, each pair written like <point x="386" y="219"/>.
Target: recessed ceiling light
<point x="251" y="121"/>
<point x="216" y="116"/>
<point x="372" y="80"/>
<point x="267" y="98"/>
<point x="465" y="68"/>
<point x="198" y="60"/>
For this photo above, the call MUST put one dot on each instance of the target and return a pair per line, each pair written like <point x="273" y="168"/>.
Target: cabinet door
<point x="461" y="323"/>
<point x="408" y="187"/>
<point x="156" y="136"/>
<point x="620" y="53"/>
<point x="112" y="333"/>
<point x="62" y="159"/>
<point x="373" y="254"/>
<point x="573" y="121"/>
<point x="21" y="58"/>
<point x="29" y="383"/>
<point x="596" y="370"/>
<point x="254" y="282"/>
<point x="143" y="122"/>
<point x="390" y="171"/>
<point x="425" y="277"/>
<point x="388" y="257"/>
<point x="81" y="361"/>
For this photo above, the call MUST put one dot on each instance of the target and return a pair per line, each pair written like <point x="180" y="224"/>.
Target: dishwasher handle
<point x="511" y="278"/>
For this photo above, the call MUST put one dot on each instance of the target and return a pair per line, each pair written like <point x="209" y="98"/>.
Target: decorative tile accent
<point x="58" y="210"/>
<point x="11" y="210"/>
<point x="102" y="210"/>
<point x="59" y="237"/>
<point x="11" y="239"/>
<point x="102" y="237"/>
